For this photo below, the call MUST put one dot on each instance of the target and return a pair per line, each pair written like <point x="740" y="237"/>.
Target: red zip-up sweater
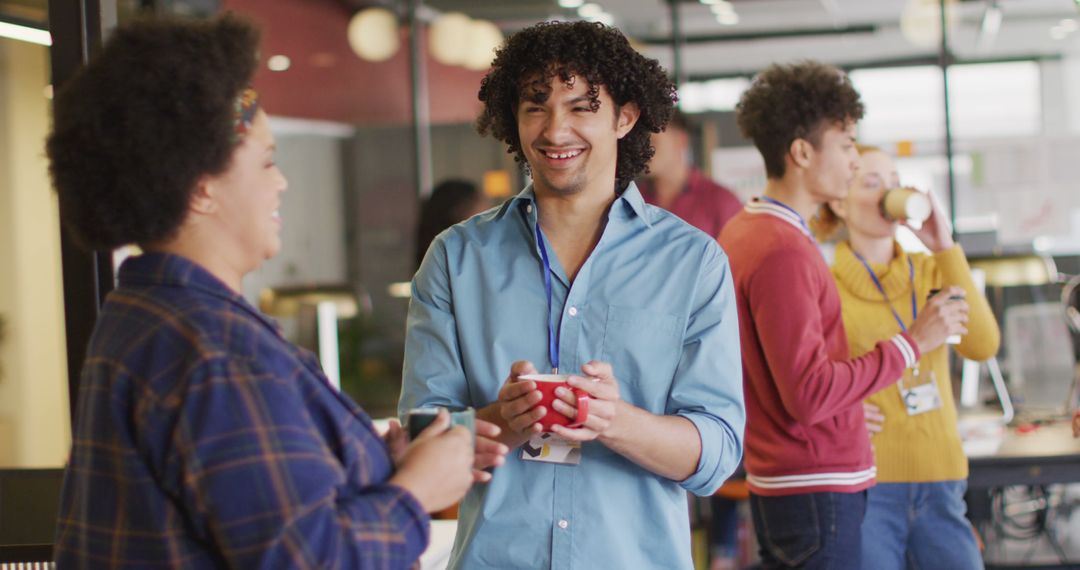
<point x="805" y="431"/>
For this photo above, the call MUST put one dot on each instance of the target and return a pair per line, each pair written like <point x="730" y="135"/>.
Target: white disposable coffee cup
<point x="900" y="204"/>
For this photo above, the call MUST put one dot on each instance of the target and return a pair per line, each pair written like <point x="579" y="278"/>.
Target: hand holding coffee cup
<point x="943" y="315"/>
<point x="598" y="380"/>
<point x="488" y="452"/>
<point x="437" y="466"/>
<point x="547" y="384"/>
<point x="934" y="231"/>
<point x="517" y="403"/>
<point x="954" y="339"/>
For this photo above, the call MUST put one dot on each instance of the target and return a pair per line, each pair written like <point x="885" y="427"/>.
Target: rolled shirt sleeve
<point x="708" y="382"/>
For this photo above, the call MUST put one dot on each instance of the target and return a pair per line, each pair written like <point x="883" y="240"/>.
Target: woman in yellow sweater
<point x="915" y="514"/>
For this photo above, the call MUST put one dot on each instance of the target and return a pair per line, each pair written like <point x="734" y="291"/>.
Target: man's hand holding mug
<point x="591" y="421"/>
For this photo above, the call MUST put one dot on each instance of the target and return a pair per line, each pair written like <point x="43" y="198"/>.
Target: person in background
<point x="915" y="513"/>
<point x="676" y="185"/>
<point x="578" y="275"/>
<point x="451" y="201"/>
<point x="673" y="183"/>
<point x="808" y="457"/>
<point x="202" y="438"/>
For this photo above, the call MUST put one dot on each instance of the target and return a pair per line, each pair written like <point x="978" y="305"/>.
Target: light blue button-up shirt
<point x="654" y="299"/>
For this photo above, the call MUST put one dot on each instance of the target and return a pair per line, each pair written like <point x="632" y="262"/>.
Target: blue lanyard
<point x="911" y="277"/>
<point x="790" y="209"/>
<point x="553" y="332"/>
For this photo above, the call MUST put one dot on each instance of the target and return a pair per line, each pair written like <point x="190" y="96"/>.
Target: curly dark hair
<point x="786" y="102"/>
<point x="138" y="126"/>
<point x="597" y="53"/>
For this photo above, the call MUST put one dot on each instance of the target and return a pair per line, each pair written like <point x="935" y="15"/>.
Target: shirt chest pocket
<point x="643" y="347"/>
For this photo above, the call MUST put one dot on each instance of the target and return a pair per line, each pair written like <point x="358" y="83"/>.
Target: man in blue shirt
<point x="578" y="270"/>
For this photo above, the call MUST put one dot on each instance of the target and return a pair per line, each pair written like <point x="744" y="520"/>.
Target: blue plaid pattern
<point x="204" y="439"/>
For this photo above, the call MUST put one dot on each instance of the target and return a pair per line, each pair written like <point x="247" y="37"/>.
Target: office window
<point x="34" y="427"/>
<point x="988" y="100"/>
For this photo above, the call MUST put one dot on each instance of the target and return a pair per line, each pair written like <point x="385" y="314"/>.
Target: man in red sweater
<point x="676" y="185"/>
<point x="808" y="457"/>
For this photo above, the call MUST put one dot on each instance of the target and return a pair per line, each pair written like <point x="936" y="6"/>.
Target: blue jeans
<point x="918" y="526"/>
<point x="813" y="530"/>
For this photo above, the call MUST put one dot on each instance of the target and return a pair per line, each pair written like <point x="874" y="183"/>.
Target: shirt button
<point x="573" y="311"/>
<point x="528" y="208"/>
<point x="563" y="524"/>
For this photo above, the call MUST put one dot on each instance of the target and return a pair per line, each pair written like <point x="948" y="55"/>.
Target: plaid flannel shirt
<point x="204" y="439"/>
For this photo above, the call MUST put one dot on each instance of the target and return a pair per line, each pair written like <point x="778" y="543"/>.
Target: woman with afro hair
<point x="203" y="439"/>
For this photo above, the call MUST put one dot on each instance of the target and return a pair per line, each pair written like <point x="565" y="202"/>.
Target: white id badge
<point x="551" y="448"/>
<point x="922" y="398"/>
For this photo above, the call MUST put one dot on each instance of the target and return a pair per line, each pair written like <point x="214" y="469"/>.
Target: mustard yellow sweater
<point x="924" y="447"/>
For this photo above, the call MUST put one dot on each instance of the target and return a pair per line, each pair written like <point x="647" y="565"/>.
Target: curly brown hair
<point x="597" y="53"/>
<point x="786" y="102"/>
<point x="138" y="126"/>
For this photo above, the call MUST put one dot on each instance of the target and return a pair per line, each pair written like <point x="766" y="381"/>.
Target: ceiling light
<point x="728" y="18"/>
<point x="25" y="33"/>
<point x="373" y="34"/>
<point x="1068" y="24"/>
<point x="722" y="9"/>
<point x="709" y="2"/>
<point x="571" y="3"/>
<point x="920" y="21"/>
<point x="590" y="10"/>
<point x="1058" y="33"/>
<point x="449" y="38"/>
<point x="278" y="63"/>
<point x="484" y="38"/>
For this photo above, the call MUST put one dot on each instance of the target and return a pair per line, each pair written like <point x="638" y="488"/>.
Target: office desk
<point x="1046" y="455"/>
<point x="1049" y="454"/>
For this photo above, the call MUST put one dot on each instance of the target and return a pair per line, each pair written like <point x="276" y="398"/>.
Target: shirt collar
<point x="632" y="198"/>
<point x="630" y="202"/>
<point x="758" y="206"/>
<point x="166" y="269"/>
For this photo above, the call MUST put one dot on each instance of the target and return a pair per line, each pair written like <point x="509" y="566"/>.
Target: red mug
<point x="547" y="383"/>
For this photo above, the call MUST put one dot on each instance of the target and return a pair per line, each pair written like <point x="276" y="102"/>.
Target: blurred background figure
<point x="675" y="184"/>
<point x="451" y="201"/>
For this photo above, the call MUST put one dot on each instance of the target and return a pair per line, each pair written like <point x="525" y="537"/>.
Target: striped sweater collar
<point x="758" y="206"/>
